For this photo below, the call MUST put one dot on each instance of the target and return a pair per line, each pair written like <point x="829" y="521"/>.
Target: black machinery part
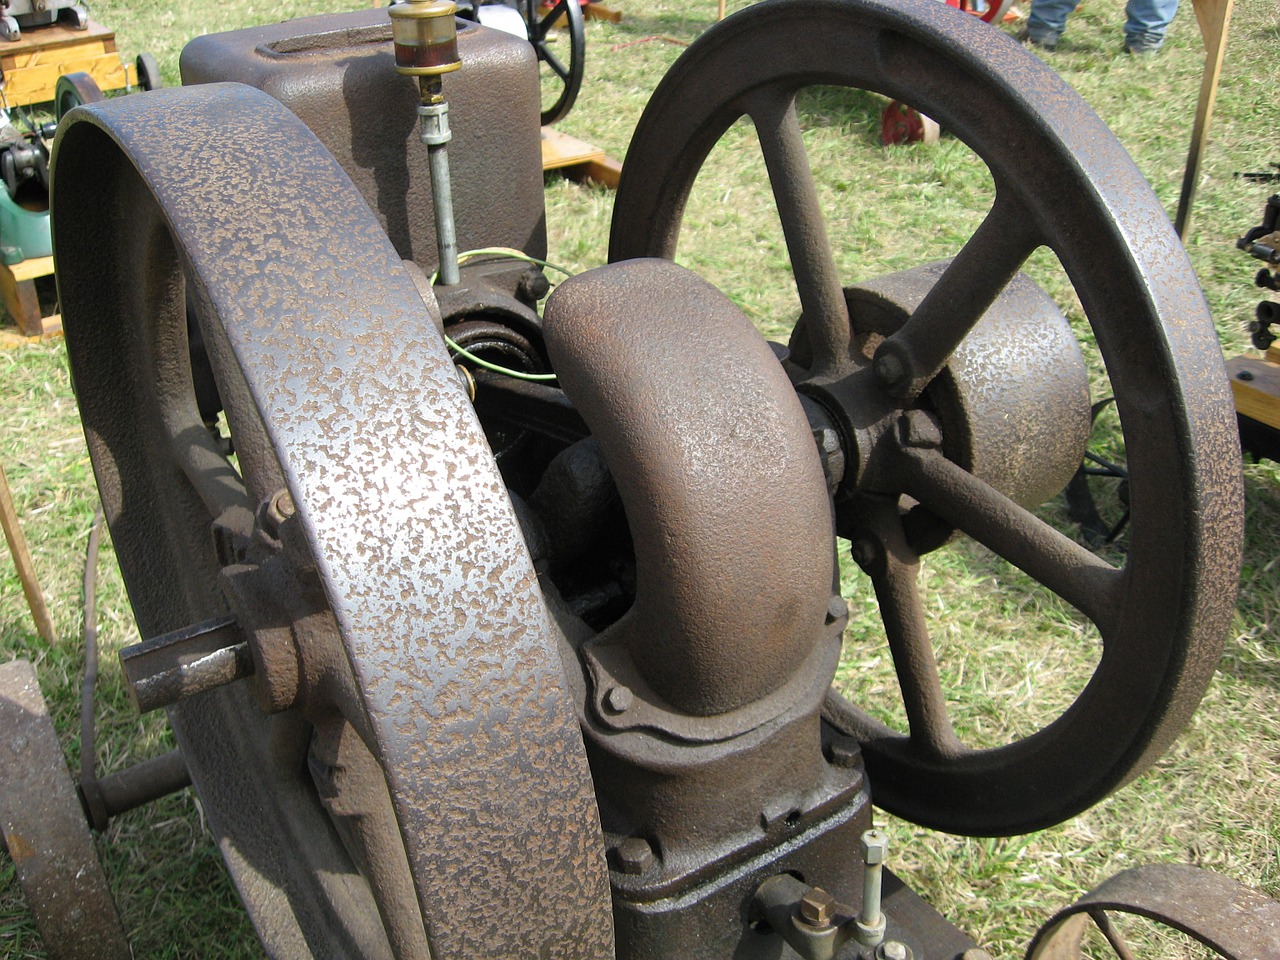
<point x="562" y="91"/>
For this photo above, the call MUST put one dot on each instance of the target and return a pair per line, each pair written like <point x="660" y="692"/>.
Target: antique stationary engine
<point x="527" y="650"/>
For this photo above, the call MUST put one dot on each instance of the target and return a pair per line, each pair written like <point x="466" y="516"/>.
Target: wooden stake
<point x="22" y="560"/>
<point x="1213" y="16"/>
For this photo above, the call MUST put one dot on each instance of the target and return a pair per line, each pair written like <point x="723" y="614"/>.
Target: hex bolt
<point x="634" y="854"/>
<point x="870" y="922"/>
<point x="817" y="907"/>
<point x="619" y="699"/>
<point x="893" y="950"/>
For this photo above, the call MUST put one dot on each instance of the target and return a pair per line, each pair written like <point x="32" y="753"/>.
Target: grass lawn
<point x="1011" y="657"/>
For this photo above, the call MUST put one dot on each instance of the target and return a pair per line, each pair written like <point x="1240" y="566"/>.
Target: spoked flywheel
<point x="402" y="771"/>
<point x="562" y="68"/>
<point x="885" y="363"/>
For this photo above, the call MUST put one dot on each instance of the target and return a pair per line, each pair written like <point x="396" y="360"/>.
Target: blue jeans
<point x="1146" y="21"/>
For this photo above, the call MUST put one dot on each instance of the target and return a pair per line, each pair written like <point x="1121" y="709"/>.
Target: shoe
<point x="1142" y="49"/>
<point x="1040" y="43"/>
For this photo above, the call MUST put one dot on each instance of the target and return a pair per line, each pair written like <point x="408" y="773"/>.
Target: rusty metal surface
<point x="46" y="833"/>
<point x="1236" y="922"/>
<point x="1162" y="616"/>
<point x="702" y="701"/>
<point x="338" y="388"/>
<point x="336" y="72"/>
<point x="701" y="429"/>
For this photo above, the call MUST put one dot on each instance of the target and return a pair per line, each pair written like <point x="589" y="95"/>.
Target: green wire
<point x="463" y="351"/>
<point x="519" y="375"/>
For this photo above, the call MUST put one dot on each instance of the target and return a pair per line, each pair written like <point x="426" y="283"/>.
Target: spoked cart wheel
<point x="561" y="88"/>
<point x="357" y="555"/>
<point x="1214" y="911"/>
<point x="889" y="389"/>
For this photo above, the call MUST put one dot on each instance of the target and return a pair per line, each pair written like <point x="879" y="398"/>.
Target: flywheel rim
<point x="1177" y="419"/>
<point x="299" y="293"/>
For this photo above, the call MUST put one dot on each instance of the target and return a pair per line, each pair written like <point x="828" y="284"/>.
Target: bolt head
<point x="875" y="847"/>
<point x="634" y="855"/>
<point x="893" y="950"/>
<point x="817" y="907"/>
<point x="837" y="608"/>
<point x="619" y="699"/>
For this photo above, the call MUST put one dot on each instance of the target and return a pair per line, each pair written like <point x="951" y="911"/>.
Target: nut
<point x="817" y="907"/>
<point x="875" y="847"/>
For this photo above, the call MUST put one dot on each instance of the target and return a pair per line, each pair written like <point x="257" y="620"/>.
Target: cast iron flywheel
<point x="361" y="515"/>
<point x="1062" y="181"/>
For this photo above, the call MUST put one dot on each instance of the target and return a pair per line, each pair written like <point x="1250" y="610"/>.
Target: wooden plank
<point x="1257" y="395"/>
<point x="605" y="171"/>
<point x="38" y="83"/>
<point x="53" y="36"/>
<point x="33" y="64"/>
<point x="21" y="302"/>
<point x="22" y="560"/>
<point x="31" y="268"/>
<point x="561" y="150"/>
<point x="18" y="292"/>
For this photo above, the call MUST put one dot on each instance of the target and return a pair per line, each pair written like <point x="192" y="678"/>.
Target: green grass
<point x="1010" y="654"/>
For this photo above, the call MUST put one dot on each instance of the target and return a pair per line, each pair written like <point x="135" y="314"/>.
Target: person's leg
<point x="1047" y="20"/>
<point x="1146" y="22"/>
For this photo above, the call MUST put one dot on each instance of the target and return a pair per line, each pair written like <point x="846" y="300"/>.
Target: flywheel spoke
<point x="552" y="61"/>
<point x="773" y="111"/>
<point x="1084" y="580"/>
<point x="894" y="572"/>
<point x="1102" y="920"/>
<point x="909" y="359"/>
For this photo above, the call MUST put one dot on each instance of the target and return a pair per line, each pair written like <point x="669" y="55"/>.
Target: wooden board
<point x="1255" y="385"/>
<point x="33" y="63"/>
<point x="18" y="291"/>
<point x="578" y="160"/>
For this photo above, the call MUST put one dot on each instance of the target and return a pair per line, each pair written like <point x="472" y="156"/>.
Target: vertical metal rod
<point x="434" y="112"/>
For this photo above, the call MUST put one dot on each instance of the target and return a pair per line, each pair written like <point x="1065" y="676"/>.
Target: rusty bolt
<point x="817" y="907"/>
<point x="634" y="854"/>
<point x="619" y="699"/>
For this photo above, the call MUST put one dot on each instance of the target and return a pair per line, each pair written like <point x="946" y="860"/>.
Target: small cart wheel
<point x="148" y="72"/>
